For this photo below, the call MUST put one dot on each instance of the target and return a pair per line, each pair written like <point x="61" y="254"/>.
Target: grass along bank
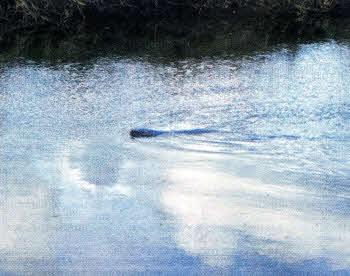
<point x="151" y="17"/>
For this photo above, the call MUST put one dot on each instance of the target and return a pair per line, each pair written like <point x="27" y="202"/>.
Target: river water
<point x="267" y="192"/>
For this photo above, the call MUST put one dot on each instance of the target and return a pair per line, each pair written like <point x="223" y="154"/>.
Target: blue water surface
<point x="266" y="193"/>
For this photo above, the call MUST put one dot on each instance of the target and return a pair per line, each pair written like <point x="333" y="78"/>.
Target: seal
<point x="147" y="133"/>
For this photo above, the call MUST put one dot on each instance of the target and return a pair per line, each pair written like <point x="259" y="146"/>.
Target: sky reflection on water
<point x="267" y="193"/>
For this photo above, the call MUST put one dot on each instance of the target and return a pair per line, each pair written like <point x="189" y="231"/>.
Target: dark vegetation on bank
<point x="95" y="20"/>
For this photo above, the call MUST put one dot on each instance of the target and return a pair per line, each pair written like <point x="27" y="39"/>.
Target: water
<point x="266" y="193"/>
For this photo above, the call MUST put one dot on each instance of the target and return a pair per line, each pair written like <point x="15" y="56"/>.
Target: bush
<point x="63" y="13"/>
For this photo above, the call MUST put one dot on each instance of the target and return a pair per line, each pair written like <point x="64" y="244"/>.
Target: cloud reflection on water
<point x="220" y="216"/>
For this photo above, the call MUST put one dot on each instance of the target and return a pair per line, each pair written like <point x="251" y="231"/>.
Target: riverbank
<point x="90" y="22"/>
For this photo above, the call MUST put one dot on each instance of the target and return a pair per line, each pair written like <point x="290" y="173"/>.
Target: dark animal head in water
<point x="144" y="132"/>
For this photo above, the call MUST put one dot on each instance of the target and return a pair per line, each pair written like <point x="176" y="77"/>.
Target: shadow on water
<point x="222" y="38"/>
